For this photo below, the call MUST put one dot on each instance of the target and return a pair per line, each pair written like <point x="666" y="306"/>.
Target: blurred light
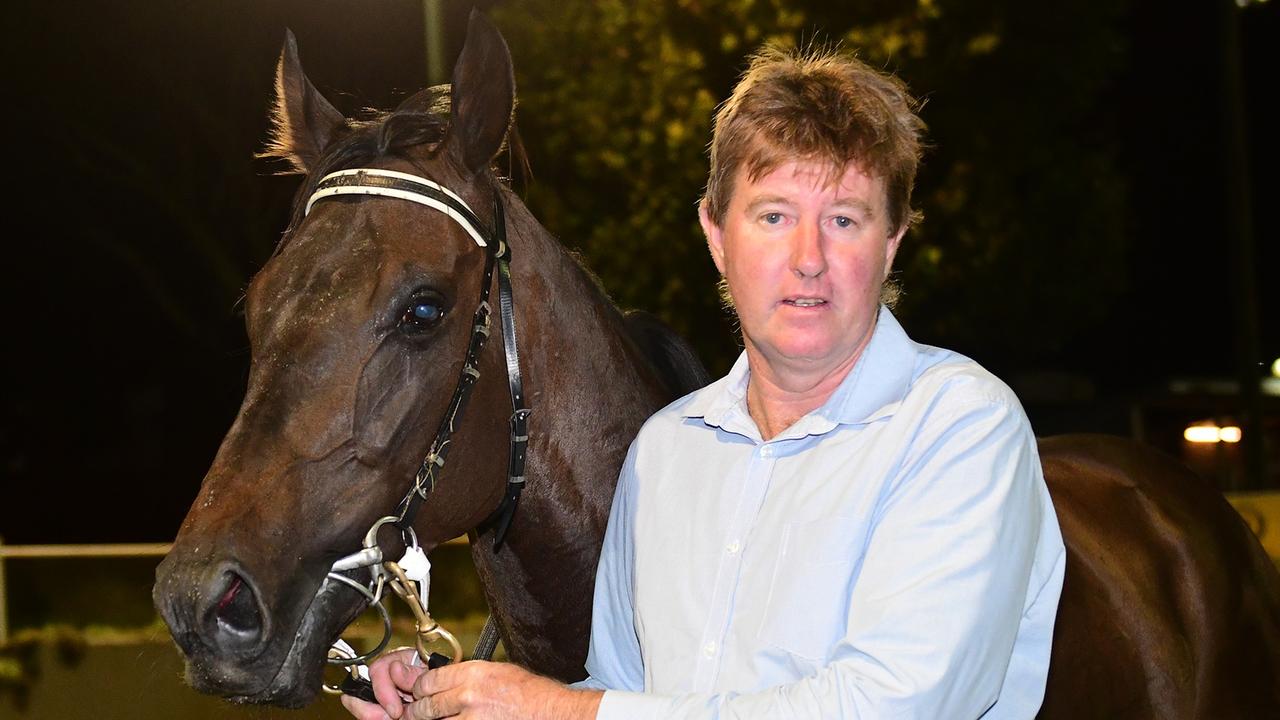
<point x="1201" y="434"/>
<point x="1275" y="368"/>
<point x="1211" y="434"/>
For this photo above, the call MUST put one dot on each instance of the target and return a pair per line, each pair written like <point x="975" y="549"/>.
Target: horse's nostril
<point x="237" y="609"/>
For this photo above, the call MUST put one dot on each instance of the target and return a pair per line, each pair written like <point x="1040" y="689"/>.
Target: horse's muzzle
<point x="240" y="641"/>
<point x="216" y="617"/>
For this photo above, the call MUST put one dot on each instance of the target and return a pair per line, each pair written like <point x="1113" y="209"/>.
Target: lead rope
<point x="488" y="641"/>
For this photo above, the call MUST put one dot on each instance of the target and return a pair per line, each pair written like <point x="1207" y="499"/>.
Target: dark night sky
<point x="131" y="130"/>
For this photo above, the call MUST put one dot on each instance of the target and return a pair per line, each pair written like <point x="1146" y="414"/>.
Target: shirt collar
<point x="873" y="389"/>
<point x="716" y="401"/>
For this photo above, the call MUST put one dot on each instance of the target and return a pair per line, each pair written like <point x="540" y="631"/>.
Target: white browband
<point x="476" y="233"/>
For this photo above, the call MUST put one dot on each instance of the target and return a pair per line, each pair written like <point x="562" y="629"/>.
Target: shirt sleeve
<point x="937" y="604"/>
<point x="614" y="659"/>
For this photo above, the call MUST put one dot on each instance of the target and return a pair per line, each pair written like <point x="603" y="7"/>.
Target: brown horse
<point x="1170" y="607"/>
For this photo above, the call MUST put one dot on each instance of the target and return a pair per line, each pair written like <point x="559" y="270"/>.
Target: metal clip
<point x="342" y="659"/>
<point x="428" y="629"/>
<point x="368" y="557"/>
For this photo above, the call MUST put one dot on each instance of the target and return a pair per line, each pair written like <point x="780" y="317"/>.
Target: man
<point x="849" y="524"/>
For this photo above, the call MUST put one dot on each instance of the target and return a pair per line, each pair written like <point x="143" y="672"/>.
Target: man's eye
<point x="422" y="313"/>
<point x="842" y="221"/>
<point x="772" y="218"/>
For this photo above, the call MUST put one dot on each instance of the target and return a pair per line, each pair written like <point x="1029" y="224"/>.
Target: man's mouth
<point x="804" y="302"/>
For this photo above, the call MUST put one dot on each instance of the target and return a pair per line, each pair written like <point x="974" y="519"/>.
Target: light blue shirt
<point x="893" y="554"/>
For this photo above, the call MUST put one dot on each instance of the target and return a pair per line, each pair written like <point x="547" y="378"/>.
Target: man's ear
<point x="891" y="248"/>
<point x="715" y="238"/>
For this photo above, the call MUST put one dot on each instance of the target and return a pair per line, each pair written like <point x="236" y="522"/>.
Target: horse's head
<point x="358" y="327"/>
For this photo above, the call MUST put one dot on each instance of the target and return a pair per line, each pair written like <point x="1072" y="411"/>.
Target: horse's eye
<point x="422" y="313"/>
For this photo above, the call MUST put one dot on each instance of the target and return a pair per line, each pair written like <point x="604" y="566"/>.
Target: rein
<point x="414" y="568"/>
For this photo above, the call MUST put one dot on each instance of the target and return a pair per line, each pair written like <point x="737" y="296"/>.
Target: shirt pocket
<point x="807" y="611"/>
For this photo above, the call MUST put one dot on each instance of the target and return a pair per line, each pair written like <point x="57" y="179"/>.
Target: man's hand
<point x="494" y="691"/>
<point x="392" y="697"/>
<point x="470" y="690"/>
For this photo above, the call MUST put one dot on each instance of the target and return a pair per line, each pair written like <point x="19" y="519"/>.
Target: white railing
<point x="116" y="550"/>
<point x="66" y="551"/>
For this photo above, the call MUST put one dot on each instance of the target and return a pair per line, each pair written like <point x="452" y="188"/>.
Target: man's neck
<point x="779" y="394"/>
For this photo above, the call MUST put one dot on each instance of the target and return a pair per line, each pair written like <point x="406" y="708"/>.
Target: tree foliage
<point x="1025" y="233"/>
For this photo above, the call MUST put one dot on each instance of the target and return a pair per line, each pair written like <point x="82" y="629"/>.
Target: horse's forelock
<point x="379" y="134"/>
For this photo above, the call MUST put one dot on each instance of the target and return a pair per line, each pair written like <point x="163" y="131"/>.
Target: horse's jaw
<point x="296" y="680"/>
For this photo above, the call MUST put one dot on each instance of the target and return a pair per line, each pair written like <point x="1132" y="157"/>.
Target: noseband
<point x="403" y="186"/>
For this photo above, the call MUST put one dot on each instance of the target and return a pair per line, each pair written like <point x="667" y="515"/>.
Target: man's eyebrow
<point x="766" y="200"/>
<point x="855" y="204"/>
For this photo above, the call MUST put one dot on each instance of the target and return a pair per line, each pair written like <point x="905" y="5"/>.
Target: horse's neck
<point x="590" y="392"/>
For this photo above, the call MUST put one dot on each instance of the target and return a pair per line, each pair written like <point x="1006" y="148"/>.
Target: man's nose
<point x="807" y="256"/>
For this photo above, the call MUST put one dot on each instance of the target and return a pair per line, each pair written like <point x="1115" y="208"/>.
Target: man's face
<point x="805" y="260"/>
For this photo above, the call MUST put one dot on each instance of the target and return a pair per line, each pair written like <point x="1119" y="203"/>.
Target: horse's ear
<point x="483" y="94"/>
<point x="303" y="121"/>
<point x="433" y="100"/>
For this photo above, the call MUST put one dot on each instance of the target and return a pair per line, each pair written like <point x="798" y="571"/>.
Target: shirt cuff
<point x="624" y="705"/>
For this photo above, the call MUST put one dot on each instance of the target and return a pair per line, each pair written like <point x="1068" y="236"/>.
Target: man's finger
<point x="362" y="710"/>
<point x="385" y="687"/>
<point x="443" y="704"/>
<point x="408" y="678"/>
<point x="442" y="678"/>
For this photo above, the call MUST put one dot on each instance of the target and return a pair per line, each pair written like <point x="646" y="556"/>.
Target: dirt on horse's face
<point x="358" y="326"/>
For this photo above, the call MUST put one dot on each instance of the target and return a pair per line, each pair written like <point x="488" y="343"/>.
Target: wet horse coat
<point x="1169" y="607"/>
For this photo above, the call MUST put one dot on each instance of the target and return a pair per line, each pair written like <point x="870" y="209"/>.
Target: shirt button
<point x="733" y="547"/>
<point x="766" y="451"/>
<point x="709" y="649"/>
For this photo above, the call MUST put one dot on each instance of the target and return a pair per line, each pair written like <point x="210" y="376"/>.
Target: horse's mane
<point x="672" y="357"/>
<point x="421" y="120"/>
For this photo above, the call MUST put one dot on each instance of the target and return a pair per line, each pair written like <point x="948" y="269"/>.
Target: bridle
<point x="389" y="183"/>
<point x="493" y="240"/>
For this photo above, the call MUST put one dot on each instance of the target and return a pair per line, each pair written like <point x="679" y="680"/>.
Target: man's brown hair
<point x="821" y="106"/>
